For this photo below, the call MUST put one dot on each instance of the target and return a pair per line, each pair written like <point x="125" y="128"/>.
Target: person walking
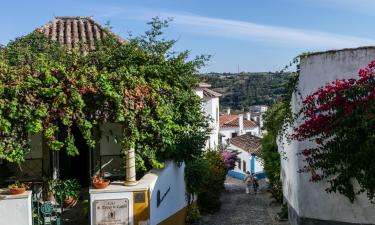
<point x="255" y="184"/>
<point x="248" y="181"/>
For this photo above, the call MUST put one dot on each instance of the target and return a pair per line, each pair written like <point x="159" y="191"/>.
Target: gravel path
<point x="239" y="208"/>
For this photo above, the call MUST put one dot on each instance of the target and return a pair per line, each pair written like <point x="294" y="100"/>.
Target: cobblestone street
<point x="239" y="208"/>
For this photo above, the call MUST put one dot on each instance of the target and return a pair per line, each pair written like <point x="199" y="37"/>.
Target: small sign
<point x="139" y="197"/>
<point x="112" y="212"/>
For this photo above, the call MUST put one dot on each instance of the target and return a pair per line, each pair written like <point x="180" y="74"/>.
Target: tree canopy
<point x="142" y="84"/>
<point x="241" y="90"/>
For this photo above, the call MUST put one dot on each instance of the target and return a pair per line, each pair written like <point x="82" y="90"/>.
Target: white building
<point x="232" y="125"/>
<point x="211" y="109"/>
<point x="308" y="202"/>
<point x="247" y="146"/>
<point x="259" y="108"/>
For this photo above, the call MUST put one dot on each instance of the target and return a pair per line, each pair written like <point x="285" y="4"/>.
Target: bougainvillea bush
<point x="340" y="119"/>
<point x="230" y="158"/>
<point x="143" y="85"/>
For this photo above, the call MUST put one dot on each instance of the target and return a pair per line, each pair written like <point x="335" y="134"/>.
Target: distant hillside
<point x="245" y="89"/>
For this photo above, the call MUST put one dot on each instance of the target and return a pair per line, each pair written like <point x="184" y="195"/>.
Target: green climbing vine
<point x="276" y="122"/>
<point x="142" y="84"/>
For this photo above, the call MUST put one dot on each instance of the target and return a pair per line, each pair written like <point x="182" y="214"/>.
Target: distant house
<point x="232" y="125"/>
<point x="211" y="109"/>
<point x="257" y="114"/>
<point x="259" y="108"/>
<point x="248" y="147"/>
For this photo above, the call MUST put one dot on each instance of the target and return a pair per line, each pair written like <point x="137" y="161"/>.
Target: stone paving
<point x="239" y="208"/>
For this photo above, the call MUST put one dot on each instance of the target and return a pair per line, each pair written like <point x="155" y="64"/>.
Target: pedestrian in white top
<point x="248" y="181"/>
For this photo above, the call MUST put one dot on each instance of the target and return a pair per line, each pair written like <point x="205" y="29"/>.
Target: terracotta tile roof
<point x="225" y="118"/>
<point x="247" y="142"/>
<point x="210" y="93"/>
<point x="76" y="32"/>
<point x="227" y="121"/>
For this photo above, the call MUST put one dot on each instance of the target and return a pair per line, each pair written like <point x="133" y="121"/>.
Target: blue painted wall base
<point x="241" y="176"/>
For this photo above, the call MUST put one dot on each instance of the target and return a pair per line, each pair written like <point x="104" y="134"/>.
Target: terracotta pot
<point x="101" y="185"/>
<point x="70" y="202"/>
<point x="17" y="191"/>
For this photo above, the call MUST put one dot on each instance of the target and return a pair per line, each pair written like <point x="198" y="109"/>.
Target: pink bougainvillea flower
<point x="371" y="64"/>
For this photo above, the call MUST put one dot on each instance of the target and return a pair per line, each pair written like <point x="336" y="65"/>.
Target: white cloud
<point x="235" y="29"/>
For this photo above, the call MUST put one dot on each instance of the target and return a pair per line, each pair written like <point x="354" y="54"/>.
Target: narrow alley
<point x="239" y="208"/>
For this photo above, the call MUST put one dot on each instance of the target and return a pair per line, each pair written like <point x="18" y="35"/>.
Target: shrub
<point x="271" y="158"/>
<point x="274" y="120"/>
<point x="63" y="189"/>
<point x="230" y="158"/>
<point x="209" y="195"/>
<point x="196" y="174"/>
<point x="193" y="214"/>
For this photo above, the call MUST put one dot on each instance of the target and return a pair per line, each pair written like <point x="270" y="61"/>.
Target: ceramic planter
<point x="16" y="191"/>
<point x="101" y="185"/>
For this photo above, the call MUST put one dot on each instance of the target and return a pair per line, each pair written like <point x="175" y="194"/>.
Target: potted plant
<point x="66" y="191"/>
<point x="17" y="188"/>
<point x="50" y="189"/>
<point x="99" y="182"/>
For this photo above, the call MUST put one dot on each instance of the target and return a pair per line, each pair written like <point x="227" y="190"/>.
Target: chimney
<point x="228" y="111"/>
<point x="240" y="124"/>
<point x="248" y="116"/>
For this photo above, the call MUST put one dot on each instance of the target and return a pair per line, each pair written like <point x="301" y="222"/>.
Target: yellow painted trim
<point x="141" y="211"/>
<point x="176" y="219"/>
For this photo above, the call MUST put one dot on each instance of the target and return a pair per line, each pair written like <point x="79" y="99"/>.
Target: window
<point x="234" y="134"/>
<point x="244" y="166"/>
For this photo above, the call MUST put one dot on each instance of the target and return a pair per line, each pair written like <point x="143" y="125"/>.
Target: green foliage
<point x="209" y="194"/>
<point x="204" y="177"/>
<point x="17" y="184"/>
<point x="196" y="175"/>
<point x="283" y="214"/>
<point x="85" y="208"/>
<point x="276" y="120"/>
<point x="63" y="189"/>
<point x="193" y="214"/>
<point x="142" y="84"/>
<point x="271" y="158"/>
<point x="245" y="89"/>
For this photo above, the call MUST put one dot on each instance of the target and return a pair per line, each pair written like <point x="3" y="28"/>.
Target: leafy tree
<point x="210" y="192"/>
<point x="245" y="89"/>
<point x="142" y="84"/>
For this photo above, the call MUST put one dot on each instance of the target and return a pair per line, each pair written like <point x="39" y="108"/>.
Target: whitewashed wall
<point x="172" y="176"/>
<point x="110" y="142"/>
<point x="306" y="199"/>
<point x="199" y="92"/>
<point x="246" y="156"/>
<point x="259" y="166"/>
<point x="117" y="192"/>
<point x="227" y="132"/>
<point x="15" y="209"/>
<point x="243" y="156"/>
<point x="211" y="108"/>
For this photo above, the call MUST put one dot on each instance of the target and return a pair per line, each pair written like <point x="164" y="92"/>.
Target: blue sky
<point x="254" y="35"/>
